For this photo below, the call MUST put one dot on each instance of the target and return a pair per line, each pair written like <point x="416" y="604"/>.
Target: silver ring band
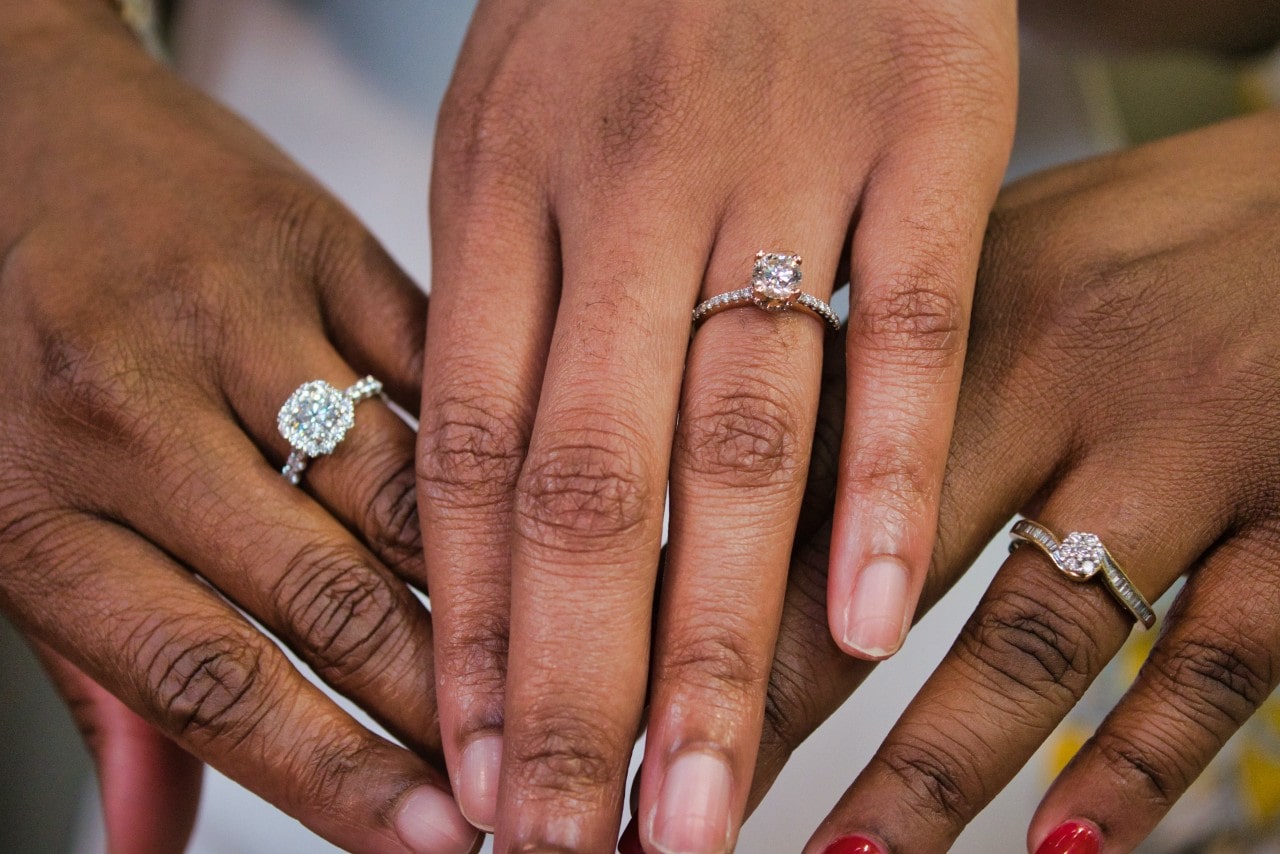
<point x="1081" y="556"/>
<point x="316" y="418"/>
<point x="775" y="286"/>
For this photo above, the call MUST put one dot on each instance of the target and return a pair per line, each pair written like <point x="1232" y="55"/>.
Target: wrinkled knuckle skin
<point x="209" y="690"/>
<point x="741" y="437"/>
<point x="391" y="522"/>
<point x="341" y="612"/>
<point x="484" y="132"/>
<point x="1220" y="678"/>
<point x="584" y="490"/>
<point x="914" y="317"/>
<point x="790" y="713"/>
<point x="566" y="757"/>
<point x="719" y="662"/>
<point x="895" y="473"/>
<point x="469" y="457"/>
<point x="474" y="654"/>
<point x="934" y="781"/>
<point x="334" y="774"/>
<point x="1140" y="763"/>
<point x="1029" y="646"/>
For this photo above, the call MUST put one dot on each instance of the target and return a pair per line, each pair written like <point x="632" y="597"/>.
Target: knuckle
<point x="790" y="710"/>
<point x="341" y="612"/>
<point x="566" y="755"/>
<point x="933" y="777"/>
<point x="584" y="489"/>
<point x="210" y="689"/>
<point x="332" y="775"/>
<point x="391" y="518"/>
<point x="895" y="471"/>
<point x="1141" y="763"/>
<point x="474" y="654"/>
<point x="719" y="662"/>
<point x="1225" y="678"/>
<point x="744" y="436"/>
<point x="484" y="131"/>
<point x="1021" y="642"/>
<point x="915" y="316"/>
<point x="469" y="456"/>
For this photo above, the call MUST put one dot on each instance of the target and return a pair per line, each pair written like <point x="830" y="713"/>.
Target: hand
<point x="168" y="278"/>
<point x="1123" y="379"/>
<point x="599" y="169"/>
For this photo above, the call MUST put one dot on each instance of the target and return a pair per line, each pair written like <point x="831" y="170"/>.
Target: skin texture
<point x="149" y="334"/>
<point x="1124" y="379"/>
<point x="599" y="169"/>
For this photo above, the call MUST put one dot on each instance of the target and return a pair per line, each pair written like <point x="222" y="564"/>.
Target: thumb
<point x="150" y="786"/>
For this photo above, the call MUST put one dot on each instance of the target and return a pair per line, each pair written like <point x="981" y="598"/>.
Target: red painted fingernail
<point x="1072" y="837"/>
<point x="630" y="841"/>
<point x="854" y="845"/>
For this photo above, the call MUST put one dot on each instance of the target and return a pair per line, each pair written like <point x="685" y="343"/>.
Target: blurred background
<point x="350" y="89"/>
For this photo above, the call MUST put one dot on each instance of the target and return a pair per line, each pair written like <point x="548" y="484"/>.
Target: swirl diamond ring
<point x="1080" y="557"/>
<point x="775" y="286"/>
<point x="316" y="418"/>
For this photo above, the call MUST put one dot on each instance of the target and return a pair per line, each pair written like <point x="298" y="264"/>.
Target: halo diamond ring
<point x="316" y="418"/>
<point x="775" y="286"/>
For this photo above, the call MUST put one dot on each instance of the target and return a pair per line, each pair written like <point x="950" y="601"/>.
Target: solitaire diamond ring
<point x="775" y="286"/>
<point x="316" y="418"/>
<point x="1081" y="556"/>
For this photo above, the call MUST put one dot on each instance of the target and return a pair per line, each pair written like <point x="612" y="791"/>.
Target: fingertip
<point x="478" y="774"/>
<point x="871" y="621"/>
<point x="428" y="821"/>
<point x="1073" y="836"/>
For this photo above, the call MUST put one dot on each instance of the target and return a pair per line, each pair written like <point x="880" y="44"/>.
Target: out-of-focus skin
<point x="600" y="168"/>
<point x="1225" y="26"/>
<point x="167" y="278"/>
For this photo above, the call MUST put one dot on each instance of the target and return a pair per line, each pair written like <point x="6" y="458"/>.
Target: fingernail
<point x="854" y="845"/>
<point x="692" y="816"/>
<point x="630" y="841"/>
<point x="1072" y="837"/>
<point x="429" y="822"/>
<point x="876" y="612"/>
<point x="478" y="781"/>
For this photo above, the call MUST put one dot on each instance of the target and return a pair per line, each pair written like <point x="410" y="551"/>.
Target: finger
<point x="1213" y="667"/>
<point x="588" y="523"/>
<point x="150" y="786"/>
<point x="737" y="479"/>
<point x="1024" y="658"/>
<point x="179" y="657"/>
<point x="280" y="556"/>
<point x="994" y="466"/>
<point x="374" y="313"/>
<point x="496" y="283"/>
<point x="914" y="260"/>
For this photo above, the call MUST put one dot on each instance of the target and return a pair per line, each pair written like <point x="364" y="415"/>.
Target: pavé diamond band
<point x="1080" y="557"/>
<point x="775" y="286"/>
<point x="316" y="418"/>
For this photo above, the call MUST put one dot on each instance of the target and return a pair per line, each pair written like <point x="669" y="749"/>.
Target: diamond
<point x="775" y="282"/>
<point x="316" y="417"/>
<point x="1081" y="554"/>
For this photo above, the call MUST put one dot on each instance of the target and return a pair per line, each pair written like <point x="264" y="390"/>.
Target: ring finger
<point x="738" y="473"/>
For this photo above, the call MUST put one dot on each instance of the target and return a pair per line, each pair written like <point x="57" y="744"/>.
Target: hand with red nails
<point x="600" y="170"/>
<point x="167" y="278"/>
<point x="1123" y="379"/>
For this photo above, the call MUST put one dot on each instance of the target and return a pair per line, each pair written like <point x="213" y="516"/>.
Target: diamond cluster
<point x="316" y="417"/>
<point x="1081" y="555"/>
<point x="775" y="282"/>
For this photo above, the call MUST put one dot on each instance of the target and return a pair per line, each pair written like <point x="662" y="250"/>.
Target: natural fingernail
<point x="630" y="841"/>
<point x="877" y="611"/>
<point x="1072" y="837"/>
<point x="429" y="822"/>
<point x="692" y="816"/>
<point x="854" y="845"/>
<point x="478" y="781"/>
